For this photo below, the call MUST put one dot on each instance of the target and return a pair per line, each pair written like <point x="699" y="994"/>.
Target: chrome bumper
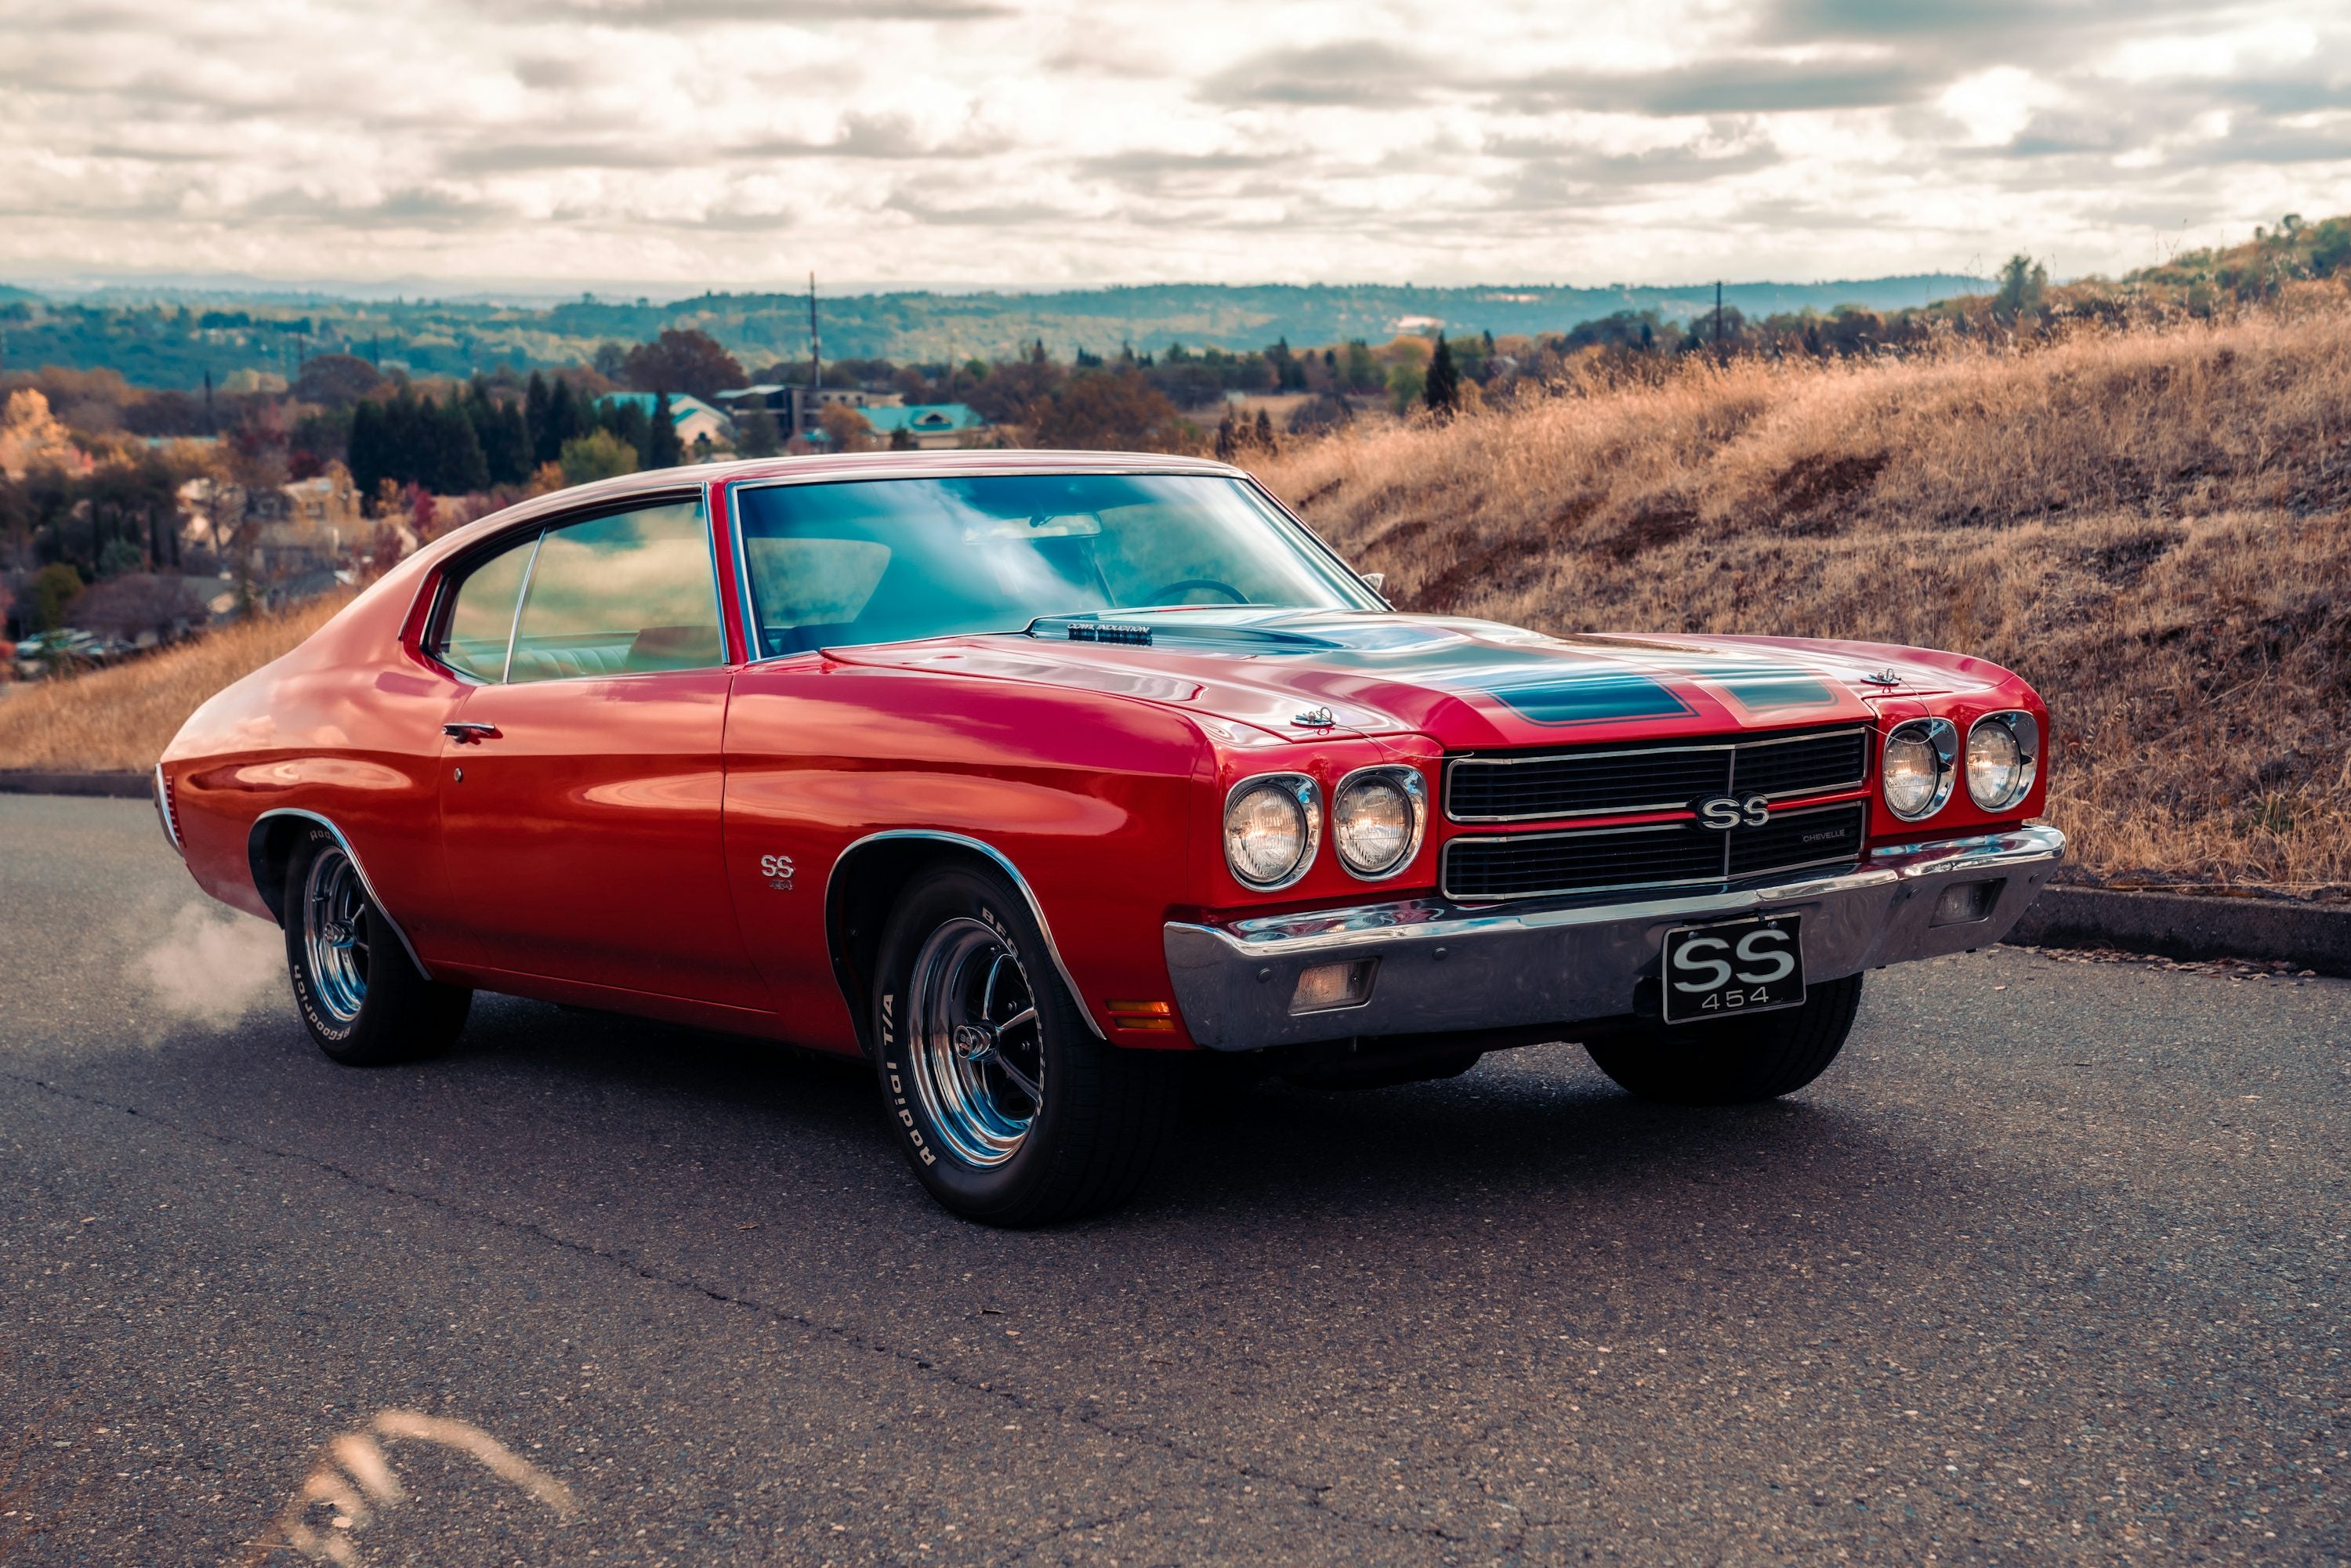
<point x="1443" y="967"/>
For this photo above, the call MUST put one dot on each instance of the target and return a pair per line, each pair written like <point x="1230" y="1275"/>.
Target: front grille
<point x="1672" y="854"/>
<point x="1621" y="780"/>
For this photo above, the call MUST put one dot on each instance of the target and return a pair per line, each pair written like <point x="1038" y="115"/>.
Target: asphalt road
<point x="2050" y="1268"/>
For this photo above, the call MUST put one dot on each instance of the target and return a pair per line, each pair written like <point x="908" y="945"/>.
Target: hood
<point x="1466" y="684"/>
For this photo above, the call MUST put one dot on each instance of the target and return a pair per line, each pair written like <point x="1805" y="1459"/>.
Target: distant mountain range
<point x="167" y="336"/>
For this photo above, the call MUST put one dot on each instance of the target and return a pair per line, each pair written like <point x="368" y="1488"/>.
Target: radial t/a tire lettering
<point x="1737" y="1060"/>
<point x="360" y="995"/>
<point x="1010" y="1108"/>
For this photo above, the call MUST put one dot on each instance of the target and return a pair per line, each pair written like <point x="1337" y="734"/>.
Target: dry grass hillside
<point x="123" y="717"/>
<point x="2151" y="526"/>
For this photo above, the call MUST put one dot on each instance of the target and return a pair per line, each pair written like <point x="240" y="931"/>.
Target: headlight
<point x="2001" y="748"/>
<point x="1271" y="826"/>
<point x="1376" y="817"/>
<point x="1916" y="769"/>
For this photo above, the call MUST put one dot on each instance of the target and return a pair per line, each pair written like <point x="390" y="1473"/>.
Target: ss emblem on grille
<point x="1724" y="813"/>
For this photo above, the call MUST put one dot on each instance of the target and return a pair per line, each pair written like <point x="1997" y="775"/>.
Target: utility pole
<point x="816" y="354"/>
<point x="816" y="343"/>
<point x="1718" y="320"/>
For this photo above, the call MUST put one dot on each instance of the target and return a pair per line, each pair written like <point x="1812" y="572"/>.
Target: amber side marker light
<point x="1157" y="1016"/>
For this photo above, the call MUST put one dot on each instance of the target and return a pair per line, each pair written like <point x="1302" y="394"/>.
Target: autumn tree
<point x="683" y="359"/>
<point x="845" y="429"/>
<point x="1106" y="411"/>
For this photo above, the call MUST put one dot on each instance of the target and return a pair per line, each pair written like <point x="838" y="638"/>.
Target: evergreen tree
<point x="1442" y="390"/>
<point x="365" y="454"/>
<point x="1265" y="434"/>
<point x="544" y="447"/>
<point x="457" y="465"/>
<point x="662" y="447"/>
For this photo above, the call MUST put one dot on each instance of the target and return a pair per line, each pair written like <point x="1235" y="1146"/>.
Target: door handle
<point x="467" y="732"/>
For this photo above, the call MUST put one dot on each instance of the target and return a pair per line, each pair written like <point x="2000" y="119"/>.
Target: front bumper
<point x="1442" y="966"/>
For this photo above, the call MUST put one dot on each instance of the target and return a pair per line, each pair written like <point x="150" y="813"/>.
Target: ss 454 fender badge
<point x="777" y="870"/>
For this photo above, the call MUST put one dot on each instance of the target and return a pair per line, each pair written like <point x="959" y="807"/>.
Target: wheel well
<point x="865" y="886"/>
<point x="266" y="851"/>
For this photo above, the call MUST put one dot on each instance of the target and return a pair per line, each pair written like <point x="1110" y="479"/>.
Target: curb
<point x="115" y="786"/>
<point x="2185" y="925"/>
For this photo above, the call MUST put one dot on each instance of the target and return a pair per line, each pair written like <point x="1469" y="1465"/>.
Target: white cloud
<point x="694" y="142"/>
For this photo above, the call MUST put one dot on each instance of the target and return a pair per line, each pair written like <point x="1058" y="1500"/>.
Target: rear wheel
<point x="1735" y="1061"/>
<point x="1009" y="1106"/>
<point x="360" y="995"/>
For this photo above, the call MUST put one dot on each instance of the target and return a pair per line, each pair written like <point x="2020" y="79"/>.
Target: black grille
<point x="1814" y="765"/>
<point x="1682" y="852"/>
<point x="1613" y="779"/>
<point x="1799" y="838"/>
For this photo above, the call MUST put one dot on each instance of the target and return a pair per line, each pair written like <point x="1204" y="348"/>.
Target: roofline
<point x="939" y="463"/>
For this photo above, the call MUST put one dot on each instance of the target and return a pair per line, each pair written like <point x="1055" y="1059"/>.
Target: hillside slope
<point x="2150" y="525"/>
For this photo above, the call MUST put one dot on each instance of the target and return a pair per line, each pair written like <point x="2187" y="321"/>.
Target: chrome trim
<point x="1416" y="791"/>
<point x="1733" y="747"/>
<point x="1004" y="862"/>
<point x="162" y="792"/>
<point x="756" y="650"/>
<point x="1309" y="796"/>
<point x="366" y="885"/>
<point x="1449" y="966"/>
<point x="522" y="597"/>
<point x="2027" y="730"/>
<point x="1944" y="737"/>
<point x="1680" y="824"/>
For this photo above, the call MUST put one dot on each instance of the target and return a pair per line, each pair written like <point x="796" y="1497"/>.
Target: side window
<point x="621" y="595"/>
<point x="481" y="615"/>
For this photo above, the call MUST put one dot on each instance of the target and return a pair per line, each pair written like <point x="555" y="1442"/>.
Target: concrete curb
<point x="2188" y="926"/>
<point x="118" y="786"/>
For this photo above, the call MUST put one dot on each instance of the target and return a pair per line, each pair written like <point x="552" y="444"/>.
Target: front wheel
<point x="1009" y="1106"/>
<point x="361" y="997"/>
<point x="1737" y="1060"/>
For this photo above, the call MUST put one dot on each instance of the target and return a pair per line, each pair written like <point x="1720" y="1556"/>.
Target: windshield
<point x="884" y="560"/>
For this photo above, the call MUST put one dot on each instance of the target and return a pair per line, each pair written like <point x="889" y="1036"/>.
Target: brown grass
<point x="2150" y="525"/>
<point x="123" y="717"/>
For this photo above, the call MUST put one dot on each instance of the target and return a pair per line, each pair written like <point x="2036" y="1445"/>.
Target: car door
<point x="583" y="780"/>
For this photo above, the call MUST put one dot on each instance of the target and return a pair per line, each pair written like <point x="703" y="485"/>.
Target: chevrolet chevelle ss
<point x="1048" y="781"/>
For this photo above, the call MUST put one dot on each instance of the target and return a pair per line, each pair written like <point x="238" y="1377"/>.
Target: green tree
<point x="756" y="434"/>
<point x="1444" y="384"/>
<point x="2022" y="282"/>
<point x="599" y="454"/>
<point x="52" y="592"/>
<point x="662" y="449"/>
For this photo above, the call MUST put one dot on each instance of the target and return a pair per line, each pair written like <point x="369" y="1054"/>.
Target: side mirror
<point x="1378" y="580"/>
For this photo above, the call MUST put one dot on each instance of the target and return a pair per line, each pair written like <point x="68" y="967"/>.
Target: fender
<point x="253" y="853"/>
<point x="1003" y="861"/>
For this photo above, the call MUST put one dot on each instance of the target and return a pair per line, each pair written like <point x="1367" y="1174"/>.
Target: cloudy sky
<point x="673" y="144"/>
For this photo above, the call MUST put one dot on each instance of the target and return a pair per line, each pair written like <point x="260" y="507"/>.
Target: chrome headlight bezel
<point x="1415" y="791"/>
<point x="1305" y="796"/>
<point x="2025" y="730"/>
<point x="1941" y="738"/>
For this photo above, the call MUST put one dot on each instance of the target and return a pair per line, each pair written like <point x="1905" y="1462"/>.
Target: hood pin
<point x="1316" y="719"/>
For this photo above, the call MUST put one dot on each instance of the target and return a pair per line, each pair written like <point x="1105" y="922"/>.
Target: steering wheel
<point x="1166" y="595"/>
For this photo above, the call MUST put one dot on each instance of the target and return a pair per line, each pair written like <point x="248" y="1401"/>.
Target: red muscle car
<point x="1041" y="779"/>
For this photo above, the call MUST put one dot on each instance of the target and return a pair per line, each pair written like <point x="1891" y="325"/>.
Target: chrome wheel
<point x="335" y="935"/>
<point x="976" y="1049"/>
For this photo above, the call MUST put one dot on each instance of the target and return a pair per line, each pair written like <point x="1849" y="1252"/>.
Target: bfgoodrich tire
<point x="1010" y="1109"/>
<point x="1737" y="1060"/>
<point x="360" y="995"/>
